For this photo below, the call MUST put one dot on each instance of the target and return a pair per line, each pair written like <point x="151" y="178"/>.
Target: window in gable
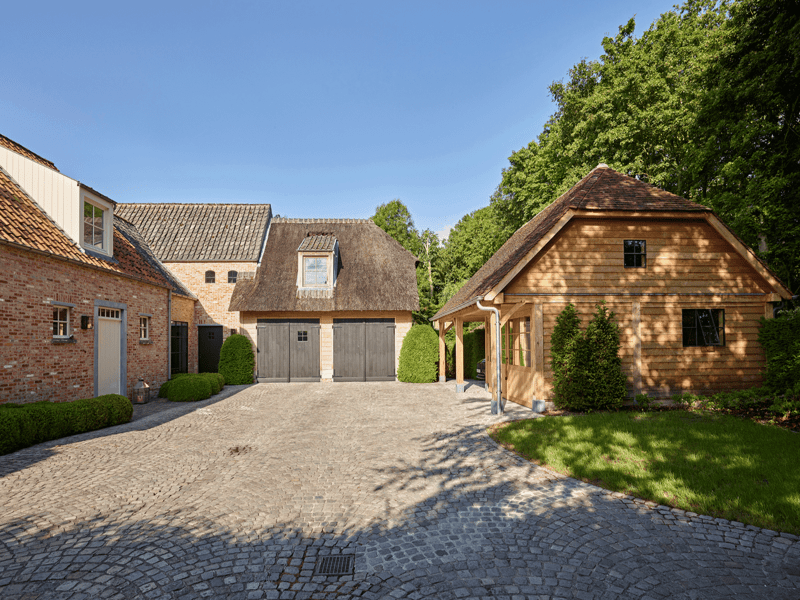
<point x="232" y="276"/>
<point x="635" y="253"/>
<point x="211" y="277"/>
<point x="703" y="327"/>
<point x="60" y="322"/>
<point x="315" y="271"/>
<point x="93" y="225"/>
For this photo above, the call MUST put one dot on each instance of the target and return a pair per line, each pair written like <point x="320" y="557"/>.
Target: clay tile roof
<point x="24" y="224"/>
<point x="602" y="189"/>
<point x="201" y="232"/>
<point x="375" y="272"/>
<point x="20" y="149"/>
<point x="319" y="242"/>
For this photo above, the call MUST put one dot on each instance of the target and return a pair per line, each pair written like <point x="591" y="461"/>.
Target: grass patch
<point x="711" y="464"/>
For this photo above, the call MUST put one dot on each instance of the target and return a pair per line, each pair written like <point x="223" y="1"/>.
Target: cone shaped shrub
<point x="419" y="356"/>
<point x="236" y="362"/>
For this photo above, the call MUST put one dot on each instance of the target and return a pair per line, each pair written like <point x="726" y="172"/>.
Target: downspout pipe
<point x="497" y="400"/>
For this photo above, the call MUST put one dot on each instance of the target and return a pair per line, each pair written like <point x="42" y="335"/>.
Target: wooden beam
<point x="538" y="351"/>
<point x="511" y="313"/>
<point x="641" y="214"/>
<point x="442" y="355"/>
<point x="748" y="255"/>
<point x="637" y="346"/>
<point x="554" y="230"/>
<point x="459" y="353"/>
<point x="498" y="299"/>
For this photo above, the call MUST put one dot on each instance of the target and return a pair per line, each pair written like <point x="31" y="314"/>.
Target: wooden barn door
<point x="379" y="359"/>
<point x="363" y="350"/>
<point x="273" y="351"/>
<point x="288" y="350"/>
<point x="304" y="350"/>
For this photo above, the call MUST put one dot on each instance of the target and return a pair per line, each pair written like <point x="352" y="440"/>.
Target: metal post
<point x="497" y="402"/>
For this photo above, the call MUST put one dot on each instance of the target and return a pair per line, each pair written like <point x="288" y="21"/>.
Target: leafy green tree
<point x="607" y="389"/>
<point x="395" y="219"/>
<point x="473" y="240"/>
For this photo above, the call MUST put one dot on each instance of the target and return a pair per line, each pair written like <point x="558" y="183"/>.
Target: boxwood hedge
<point x="23" y="425"/>
<point x="190" y="387"/>
<point x="419" y="356"/>
<point x="236" y="360"/>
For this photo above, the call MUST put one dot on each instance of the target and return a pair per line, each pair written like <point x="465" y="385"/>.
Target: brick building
<point x="80" y="317"/>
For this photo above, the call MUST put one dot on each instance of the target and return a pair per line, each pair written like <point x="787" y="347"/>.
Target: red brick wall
<point x="32" y="368"/>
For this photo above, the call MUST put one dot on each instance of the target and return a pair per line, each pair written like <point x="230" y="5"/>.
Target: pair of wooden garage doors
<point x="289" y="350"/>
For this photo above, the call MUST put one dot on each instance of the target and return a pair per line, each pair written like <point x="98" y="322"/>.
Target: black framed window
<point x="302" y="336"/>
<point x="635" y="253"/>
<point x="180" y="347"/>
<point x="703" y="327"/>
<point x="232" y="276"/>
<point x="211" y="277"/>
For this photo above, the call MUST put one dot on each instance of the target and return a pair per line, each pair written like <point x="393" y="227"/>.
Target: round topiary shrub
<point x="419" y="356"/>
<point x="236" y="361"/>
<point x="213" y="381"/>
<point x="189" y="389"/>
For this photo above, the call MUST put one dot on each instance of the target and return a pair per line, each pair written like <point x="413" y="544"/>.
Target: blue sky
<point x="323" y="109"/>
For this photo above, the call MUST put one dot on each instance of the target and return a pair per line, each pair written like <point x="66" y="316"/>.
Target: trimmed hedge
<point x="236" y="361"/>
<point x="190" y="387"/>
<point x="23" y="425"/>
<point x="419" y="356"/>
<point x="780" y="338"/>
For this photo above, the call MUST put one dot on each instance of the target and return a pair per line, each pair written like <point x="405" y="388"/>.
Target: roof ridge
<point x="313" y="221"/>
<point x="193" y="204"/>
<point x="593" y="182"/>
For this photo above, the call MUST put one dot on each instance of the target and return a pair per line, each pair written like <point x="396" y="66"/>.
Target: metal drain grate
<point x="335" y="565"/>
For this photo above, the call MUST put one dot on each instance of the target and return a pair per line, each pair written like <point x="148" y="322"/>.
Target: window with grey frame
<point x="703" y="327"/>
<point x="232" y="276"/>
<point x="60" y="322"/>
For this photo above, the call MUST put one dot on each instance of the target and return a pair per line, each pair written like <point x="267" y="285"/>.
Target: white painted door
<point x="109" y="331"/>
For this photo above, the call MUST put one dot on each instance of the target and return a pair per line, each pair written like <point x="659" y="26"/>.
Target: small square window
<point x="302" y="336"/>
<point x="703" y="327"/>
<point x="635" y="253"/>
<point x="211" y="277"/>
<point x="60" y="322"/>
<point x="144" y="328"/>
<point x="232" y="276"/>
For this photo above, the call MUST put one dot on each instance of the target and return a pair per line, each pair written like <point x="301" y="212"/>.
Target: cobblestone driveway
<point x="242" y="497"/>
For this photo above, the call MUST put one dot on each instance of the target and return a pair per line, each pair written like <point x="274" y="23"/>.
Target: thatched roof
<point x="375" y="272"/>
<point x="602" y="189"/>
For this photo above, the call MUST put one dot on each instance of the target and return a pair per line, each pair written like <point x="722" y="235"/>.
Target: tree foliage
<point x="703" y="104"/>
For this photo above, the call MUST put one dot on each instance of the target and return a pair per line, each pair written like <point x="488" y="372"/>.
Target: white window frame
<point x="57" y="308"/>
<point x="144" y="327"/>
<point x="108" y="223"/>
<point x="327" y="270"/>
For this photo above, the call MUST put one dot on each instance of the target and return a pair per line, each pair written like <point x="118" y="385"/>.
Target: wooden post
<point x="442" y="354"/>
<point x="637" y="347"/>
<point x="538" y="351"/>
<point x="768" y="310"/>
<point x="459" y="357"/>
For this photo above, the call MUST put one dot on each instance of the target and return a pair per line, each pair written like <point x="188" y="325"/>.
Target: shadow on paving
<point x="490" y="529"/>
<point x="16" y="461"/>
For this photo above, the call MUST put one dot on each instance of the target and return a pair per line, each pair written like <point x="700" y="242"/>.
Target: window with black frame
<point x="179" y="352"/>
<point x="703" y="327"/>
<point x="635" y="253"/>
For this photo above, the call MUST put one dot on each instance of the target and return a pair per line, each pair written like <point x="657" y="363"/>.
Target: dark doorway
<point x="209" y="342"/>
<point x="179" y="350"/>
<point x="288" y="350"/>
<point x="363" y="350"/>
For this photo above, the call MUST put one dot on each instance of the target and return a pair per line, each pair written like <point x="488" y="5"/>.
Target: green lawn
<point x="709" y="464"/>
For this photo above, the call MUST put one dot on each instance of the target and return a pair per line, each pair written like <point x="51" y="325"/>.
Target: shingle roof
<point x="602" y="189"/>
<point x="24" y="224"/>
<point x="319" y="242"/>
<point x="20" y="149"/>
<point x="375" y="272"/>
<point x="201" y="232"/>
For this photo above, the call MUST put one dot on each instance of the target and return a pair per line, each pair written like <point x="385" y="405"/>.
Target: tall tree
<point x="395" y="219"/>
<point x="473" y="240"/>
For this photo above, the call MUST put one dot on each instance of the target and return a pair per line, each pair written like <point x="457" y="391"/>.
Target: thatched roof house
<point x="344" y="285"/>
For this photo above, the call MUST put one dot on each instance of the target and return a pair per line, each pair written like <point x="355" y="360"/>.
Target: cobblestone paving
<point x="243" y="496"/>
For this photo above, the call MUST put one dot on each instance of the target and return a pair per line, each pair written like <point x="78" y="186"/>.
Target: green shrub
<point x="419" y="356"/>
<point x="213" y="381"/>
<point x="780" y="338"/>
<point x="587" y="369"/>
<point x="23" y="425"/>
<point x="189" y="389"/>
<point x="236" y="362"/>
<point x="643" y="402"/>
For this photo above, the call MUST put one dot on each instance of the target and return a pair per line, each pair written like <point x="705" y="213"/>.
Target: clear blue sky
<point x="323" y="109"/>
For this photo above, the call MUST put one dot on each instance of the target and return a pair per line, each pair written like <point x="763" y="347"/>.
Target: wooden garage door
<point x="288" y="350"/>
<point x="363" y="350"/>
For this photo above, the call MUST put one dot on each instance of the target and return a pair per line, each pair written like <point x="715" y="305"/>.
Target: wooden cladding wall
<point x="665" y="366"/>
<point x="683" y="256"/>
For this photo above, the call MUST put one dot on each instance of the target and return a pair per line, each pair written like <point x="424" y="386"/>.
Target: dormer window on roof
<point x="98" y="223"/>
<point x="317" y="265"/>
